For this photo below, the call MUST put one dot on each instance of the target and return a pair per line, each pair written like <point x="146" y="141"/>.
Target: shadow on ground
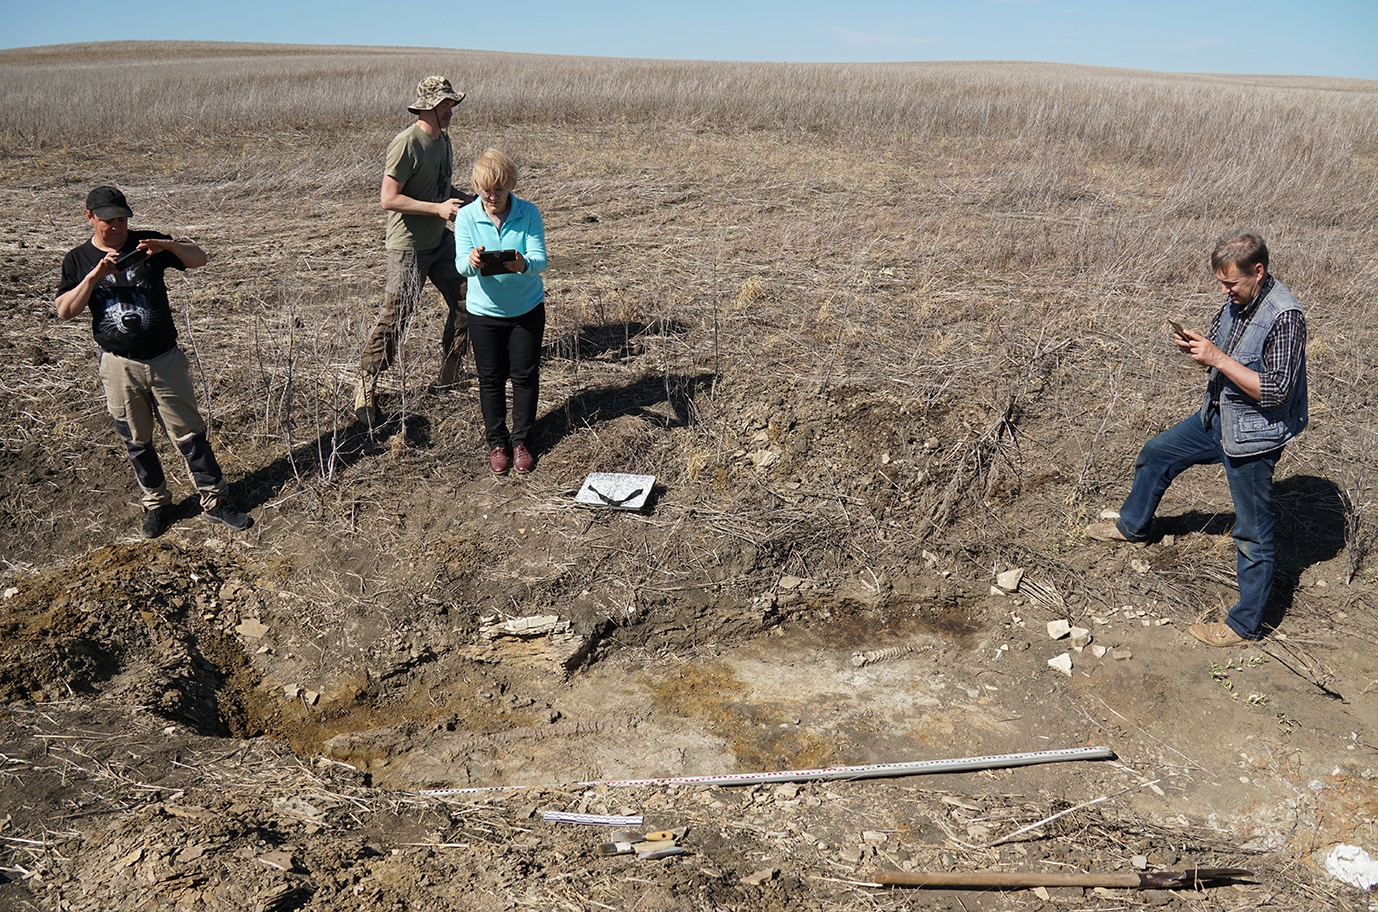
<point x="609" y="341"/>
<point x="1310" y="530"/>
<point x="641" y="398"/>
<point x="329" y="453"/>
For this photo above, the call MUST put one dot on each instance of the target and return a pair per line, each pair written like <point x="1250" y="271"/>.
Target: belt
<point x="144" y="360"/>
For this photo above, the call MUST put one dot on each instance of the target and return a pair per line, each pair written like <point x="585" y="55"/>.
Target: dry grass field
<point x="880" y="332"/>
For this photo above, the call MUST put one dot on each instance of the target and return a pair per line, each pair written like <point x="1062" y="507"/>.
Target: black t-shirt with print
<point x="130" y="314"/>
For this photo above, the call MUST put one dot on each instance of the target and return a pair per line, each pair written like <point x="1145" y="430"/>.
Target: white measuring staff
<point x="872" y="771"/>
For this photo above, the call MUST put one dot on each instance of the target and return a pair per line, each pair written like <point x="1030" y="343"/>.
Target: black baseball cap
<point x="108" y="203"/>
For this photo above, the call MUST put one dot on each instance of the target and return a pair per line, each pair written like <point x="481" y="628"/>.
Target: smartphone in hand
<point x="1177" y="329"/>
<point x="137" y="255"/>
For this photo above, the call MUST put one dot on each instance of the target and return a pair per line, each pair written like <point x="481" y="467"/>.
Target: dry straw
<point x="919" y="243"/>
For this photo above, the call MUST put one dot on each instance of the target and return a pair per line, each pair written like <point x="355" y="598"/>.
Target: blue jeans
<point x="1188" y="444"/>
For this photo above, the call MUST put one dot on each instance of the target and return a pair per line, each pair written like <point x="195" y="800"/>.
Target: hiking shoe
<point x="156" y="521"/>
<point x="498" y="461"/>
<point x="522" y="460"/>
<point x="365" y="403"/>
<point x="1106" y="532"/>
<point x="1217" y="633"/>
<point x="228" y="514"/>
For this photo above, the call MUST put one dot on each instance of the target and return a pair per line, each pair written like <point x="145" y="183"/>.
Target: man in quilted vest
<point x="1255" y="403"/>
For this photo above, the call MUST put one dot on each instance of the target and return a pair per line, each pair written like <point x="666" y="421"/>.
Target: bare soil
<point x="252" y="721"/>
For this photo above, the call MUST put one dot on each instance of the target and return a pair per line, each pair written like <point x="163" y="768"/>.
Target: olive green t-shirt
<point x="423" y="167"/>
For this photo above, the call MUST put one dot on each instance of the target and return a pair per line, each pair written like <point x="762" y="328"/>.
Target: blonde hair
<point x="494" y="171"/>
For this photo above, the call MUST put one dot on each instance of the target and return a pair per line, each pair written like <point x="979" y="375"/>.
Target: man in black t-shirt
<point x="118" y="275"/>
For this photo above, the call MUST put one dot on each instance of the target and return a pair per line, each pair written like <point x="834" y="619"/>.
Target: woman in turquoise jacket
<point x="500" y="241"/>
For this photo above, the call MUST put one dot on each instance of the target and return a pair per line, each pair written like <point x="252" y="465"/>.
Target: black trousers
<point x="508" y="348"/>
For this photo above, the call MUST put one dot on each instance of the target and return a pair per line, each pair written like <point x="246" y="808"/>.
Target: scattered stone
<point x="1058" y="629"/>
<point x="790" y="582"/>
<point x="1081" y="638"/>
<point x="852" y="854"/>
<point x="1062" y="663"/>
<point x="1140" y="862"/>
<point x="1121" y="654"/>
<point x="252" y="628"/>
<point x="291" y="806"/>
<point x="1099" y="651"/>
<point x="1010" y="579"/>
<point x="11" y="592"/>
<point x="312" y="697"/>
<point x="1139" y="566"/>
<point x="763" y="875"/>
<point x="278" y="859"/>
<point x="875" y="837"/>
<point x="764" y="459"/>
<point x="292" y="691"/>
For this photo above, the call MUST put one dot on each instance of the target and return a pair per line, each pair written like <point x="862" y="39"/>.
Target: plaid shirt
<point x="1283" y="351"/>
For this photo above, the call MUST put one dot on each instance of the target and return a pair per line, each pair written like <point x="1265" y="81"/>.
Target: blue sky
<point x="1292" y="37"/>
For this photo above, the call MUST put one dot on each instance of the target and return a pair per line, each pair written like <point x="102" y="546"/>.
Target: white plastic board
<point x="615" y="491"/>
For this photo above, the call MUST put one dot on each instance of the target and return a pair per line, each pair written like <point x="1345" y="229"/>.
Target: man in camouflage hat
<point x="420" y="200"/>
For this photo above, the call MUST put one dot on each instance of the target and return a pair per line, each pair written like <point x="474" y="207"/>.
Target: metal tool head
<point x="1192" y="878"/>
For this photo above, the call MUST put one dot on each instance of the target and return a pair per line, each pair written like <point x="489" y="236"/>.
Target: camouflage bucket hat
<point x="431" y="91"/>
